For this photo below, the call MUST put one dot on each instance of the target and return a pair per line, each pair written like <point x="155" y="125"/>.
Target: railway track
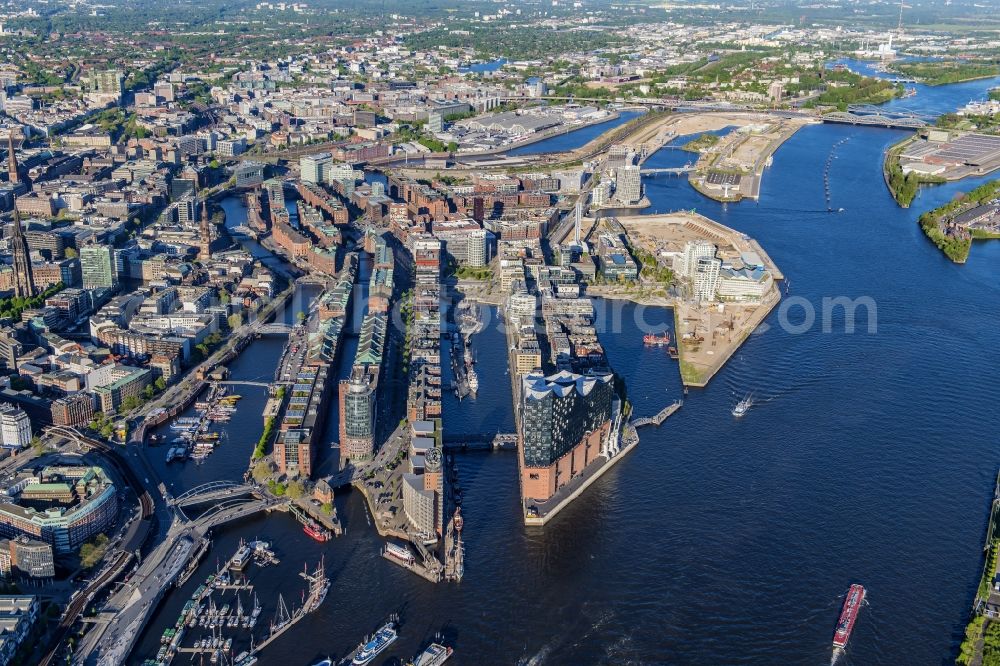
<point x="79" y="603"/>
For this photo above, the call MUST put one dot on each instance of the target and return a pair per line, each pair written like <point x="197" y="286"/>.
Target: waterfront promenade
<point x="178" y="396"/>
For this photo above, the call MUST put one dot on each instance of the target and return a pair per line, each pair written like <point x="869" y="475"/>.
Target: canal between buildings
<point x="869" y="457"/>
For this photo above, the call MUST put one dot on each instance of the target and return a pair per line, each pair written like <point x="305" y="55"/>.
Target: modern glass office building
<point x="564" y="418"/>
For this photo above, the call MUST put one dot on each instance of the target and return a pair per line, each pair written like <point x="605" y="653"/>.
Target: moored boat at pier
<point x="653" y="340"/>
<point x="434" y="654"/>
<point x="400" y="553"/>
<point x="316" y="531"/>
<point x="375" y="646"/>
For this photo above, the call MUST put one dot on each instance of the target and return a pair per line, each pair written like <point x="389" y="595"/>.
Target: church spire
<point x="205" y="233"/>
<point x="24" y="283"/>
<point x="12" y="159"/>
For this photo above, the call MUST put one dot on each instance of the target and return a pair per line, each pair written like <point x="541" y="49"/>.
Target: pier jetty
<point x="658" y="418"/>
<point x="319" y="585"/>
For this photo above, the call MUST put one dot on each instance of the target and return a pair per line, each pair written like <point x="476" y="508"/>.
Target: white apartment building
<point x="601" y="194"/>
<point x="706" y="278"/>
<point x="686" y="263"/>
<point x="522" y="304"/>
<point x="629" y="184"/>
<point x="15" y="427"/>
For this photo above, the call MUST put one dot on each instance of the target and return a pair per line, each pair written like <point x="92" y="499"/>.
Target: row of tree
<point x="13" y="307"/>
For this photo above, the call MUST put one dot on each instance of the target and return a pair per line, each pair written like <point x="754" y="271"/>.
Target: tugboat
<point x="743" y="406"/>
<point x="382" y="639"/>
<point x="651" y="340"/>
<point x="316" y="532"/>
<point x="848" y="614"/>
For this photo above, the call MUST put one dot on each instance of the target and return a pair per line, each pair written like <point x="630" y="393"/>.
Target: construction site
<point x="732" y="168"/>
<point x="708" y="330"/>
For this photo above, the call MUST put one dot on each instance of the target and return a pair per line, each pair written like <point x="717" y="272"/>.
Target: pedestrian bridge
<point x="242" y="382"/>
<point x="675" y="171"/>
<point x="500" y="440"/>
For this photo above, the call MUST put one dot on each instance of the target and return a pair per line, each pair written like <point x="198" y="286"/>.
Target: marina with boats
<point x="218" y="618"/>
<point x="193" y="439"/>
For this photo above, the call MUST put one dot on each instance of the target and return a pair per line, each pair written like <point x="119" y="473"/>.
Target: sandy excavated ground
<point x="750" y="150"/>
<point x="694" y="123"/>
<point x="683" y="124"/>
<point x="664" y="228"/>
<point x="671" y="231"/>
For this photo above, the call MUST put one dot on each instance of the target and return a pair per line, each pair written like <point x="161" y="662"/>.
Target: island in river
<point x="953" y="226"/>
<point x="942" y="72"/>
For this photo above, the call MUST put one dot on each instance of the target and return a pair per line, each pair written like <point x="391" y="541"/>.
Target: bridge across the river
<point x="676" y="171"/>
<point x="877" y="116"/>
<point x="265" y="329"/>
<point x="232" y="510"/>
<point x="213" y="490"/>
<point x="241" y="382"/>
